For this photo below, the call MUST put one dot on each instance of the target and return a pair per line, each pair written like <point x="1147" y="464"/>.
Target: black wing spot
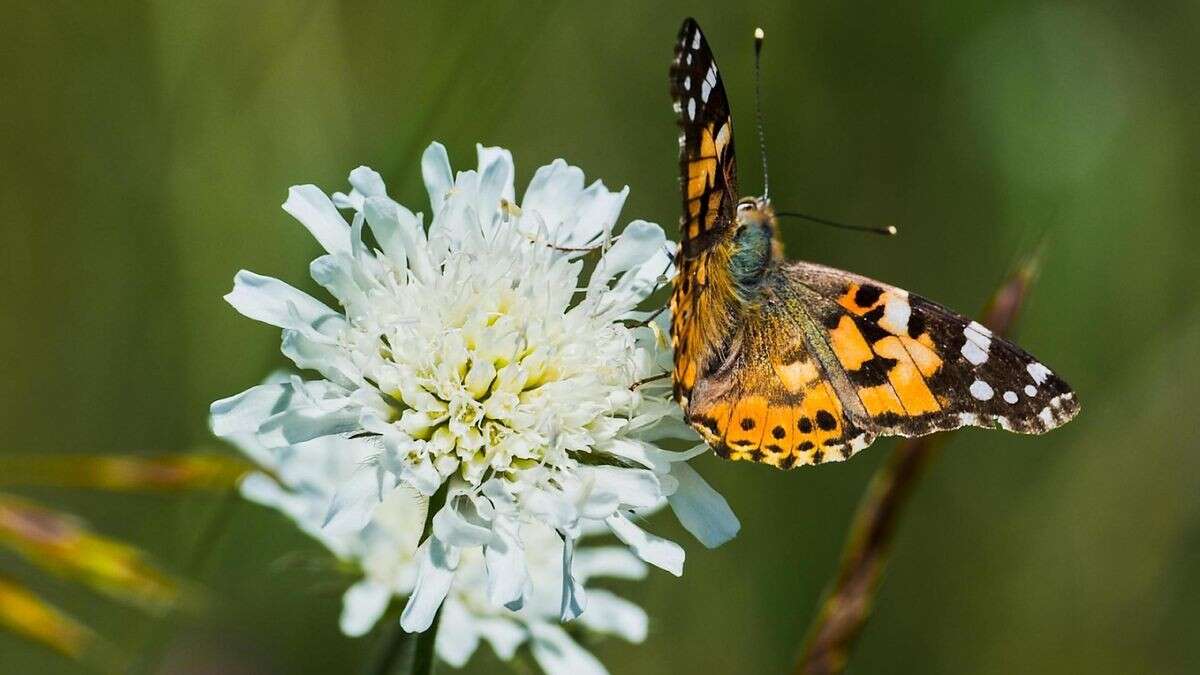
<point x="826" y="421"/>
<point x="916" y="325"/>
<point x="804" y="425"/>
<point x="805" y="446"/>
<point x="747" y="423"/>
<point x="867" y="295"/>
<point x="779" y="432"/>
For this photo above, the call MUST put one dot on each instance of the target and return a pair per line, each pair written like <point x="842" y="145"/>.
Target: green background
<point x="147" y="146"/>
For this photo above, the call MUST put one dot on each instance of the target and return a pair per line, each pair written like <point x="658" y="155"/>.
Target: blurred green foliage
<point x="147" y="146"/>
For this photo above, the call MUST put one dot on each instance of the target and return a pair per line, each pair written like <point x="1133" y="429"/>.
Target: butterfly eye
<point x="744" y="206"/>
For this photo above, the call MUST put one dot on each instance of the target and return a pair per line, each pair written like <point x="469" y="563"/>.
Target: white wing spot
<point x="705" y="90"/>
<point x="687" y="82"/>
<point x="1010" y="397"/>
<point x="973" y="353"/>
<point x="696" y="40"/>
<point x="1046" y="416"/>
<point x="1030" y="390"/>
<point x="980" y="328"/>
<point x="981" y="390"/>
<point x="975" y="349"/>
<point x="692" y="109"/>
<point x="688" y="58"/>
<point x="1038" y="372"/>
<point x="895" y="316"/>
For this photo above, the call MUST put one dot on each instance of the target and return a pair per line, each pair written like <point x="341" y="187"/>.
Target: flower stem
<point x="401" y="651"/>
<point x="848" y="601"/>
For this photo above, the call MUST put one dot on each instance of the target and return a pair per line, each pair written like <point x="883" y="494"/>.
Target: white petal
<point x="458" y="524"/>
<point x="504" y="635"/>
<point x="508" y="576"/>
<point x="304" y="424"/>
<point x="639" y="242"/>
<point x="495" y="179"/>
<point x="274" y="302"/>
<point x="655" y="550"/>
<point x="436" y="564"/>
<point x="607" y="561"/>
<point x="558" y="654"/>
<point x="312" y="207"/>
<point x="244" y="412"/>
<point x="355" y="500"/>
<point x="552" y="194"/>
<point x="458" y="636"/>
<point x="400" y="234"/>
<point x="368" y="182"/>
<point x="608" y="613"/>
<point x="337" y="275"/>
<point x="635" y="488"/>
<point x="574" y="598"/>
<point x="329" y="360"/>
<point x="362" y="605"/>
<point x="435" y="170"/>
<point x="701" y="509"/>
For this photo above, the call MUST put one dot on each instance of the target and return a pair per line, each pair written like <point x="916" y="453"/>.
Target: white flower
<point x="307" y="475"/>
<point x="469" y="357"/>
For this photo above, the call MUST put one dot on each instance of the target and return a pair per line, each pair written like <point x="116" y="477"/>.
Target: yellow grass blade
<point x="61" y="544"/>
<point x="182" y="471"/>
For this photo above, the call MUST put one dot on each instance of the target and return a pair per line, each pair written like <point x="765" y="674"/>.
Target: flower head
<point x="472" y="360"/>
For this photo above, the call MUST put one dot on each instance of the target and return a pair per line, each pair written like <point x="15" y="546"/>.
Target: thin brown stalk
<point x="848" y="601"/>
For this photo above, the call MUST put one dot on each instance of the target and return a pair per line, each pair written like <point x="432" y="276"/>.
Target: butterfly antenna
<point x="762" y="134"/>
<point x="887" y="231"/>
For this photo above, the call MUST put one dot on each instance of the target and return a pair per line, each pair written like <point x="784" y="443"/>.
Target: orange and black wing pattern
<point x="708" y="182"/>
<point x="831" y="360"/>
<point x="707" y="170"/>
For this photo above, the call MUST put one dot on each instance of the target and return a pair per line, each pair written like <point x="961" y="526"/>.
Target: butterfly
<point x="794" y="363"/>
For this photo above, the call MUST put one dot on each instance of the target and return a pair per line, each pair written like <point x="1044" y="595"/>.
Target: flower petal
<point x="362" y="606"/>
<point x="355" y="500"/>
<point x="508" y="577"/>
<point x="661" y="553"/>
<point x="274" y="302"/>
<point x="614" y="562"/>
<point x="435" y="170"/>
<point x="608" y="613"/>
<point x="701" y="509"/>
<point x="311" y="206"/>
<point x="558" y="654"/>
<point x="436" y="564"/>
<point x="458" y="635"/>
<point x="574" y="598"/>
<point x="459" y="525"/>
<point x="244" y="412"/>
<point x="639" y="242"/>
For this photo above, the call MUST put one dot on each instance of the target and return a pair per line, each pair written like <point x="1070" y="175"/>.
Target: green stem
<point x="400" y="650"/>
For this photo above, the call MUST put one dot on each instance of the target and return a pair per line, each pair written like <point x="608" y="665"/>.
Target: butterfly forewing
<point x="708" y="182"/>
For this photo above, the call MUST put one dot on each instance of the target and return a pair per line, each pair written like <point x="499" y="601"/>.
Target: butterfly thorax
<point x="755" y="246"/>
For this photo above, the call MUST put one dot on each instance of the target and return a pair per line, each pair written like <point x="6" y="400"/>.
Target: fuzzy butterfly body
<point x="793" y="363"/>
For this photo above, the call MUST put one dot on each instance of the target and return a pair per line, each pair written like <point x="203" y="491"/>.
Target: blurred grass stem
<point x="848" y="601"/>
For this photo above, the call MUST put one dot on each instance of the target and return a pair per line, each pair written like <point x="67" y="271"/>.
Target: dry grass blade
<point x="125" y="473"/>
<point x="24" y="613"/>
<point x="849" y="599"/>
<point x="61" y="544"/>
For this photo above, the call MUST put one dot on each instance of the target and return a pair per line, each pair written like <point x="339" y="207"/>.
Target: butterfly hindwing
<point x="773" y="397"/>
